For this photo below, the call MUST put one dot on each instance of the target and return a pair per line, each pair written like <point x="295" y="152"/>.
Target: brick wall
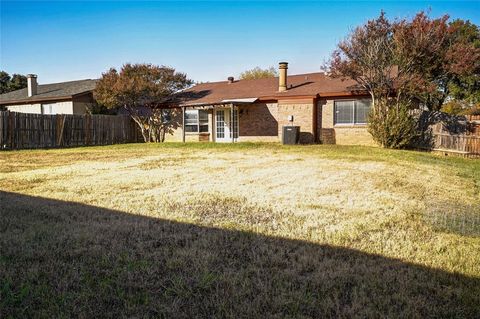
<point x="264" y="122"/>
<point x="258" y="139"/>
<point x="327" y="113"/>
<point x="302" y="116"/>
<point x="353" y="136"/>
<point x="174" y="133"/>
<point x="327" y="136"/>
<point x="329" y="133"/>
<point x="257" y="121"/>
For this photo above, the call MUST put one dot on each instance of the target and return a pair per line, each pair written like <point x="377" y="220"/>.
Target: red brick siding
<point x="341" y="134"/>
<point x="302" y="116"/>
<point x="258" y="120"/>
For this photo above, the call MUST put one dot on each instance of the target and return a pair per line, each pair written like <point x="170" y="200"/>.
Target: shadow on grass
<point x="62" y="259"/>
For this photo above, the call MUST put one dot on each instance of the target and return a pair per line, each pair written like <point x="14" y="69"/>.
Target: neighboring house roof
<point x="49" y="92"/>
<point x="300" y="85"/>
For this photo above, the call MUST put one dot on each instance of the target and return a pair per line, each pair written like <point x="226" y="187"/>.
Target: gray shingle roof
<point x="51" y="91"/>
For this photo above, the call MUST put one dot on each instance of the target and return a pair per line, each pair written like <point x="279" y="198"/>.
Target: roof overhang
<point x="278" y="98"/>
<point x="40" y="99"/>
<point x="36" y="100"/>
<point x="241" y="101"/>
<point x="341" y="94"/>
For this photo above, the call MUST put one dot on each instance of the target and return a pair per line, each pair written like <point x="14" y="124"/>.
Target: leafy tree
<point x="258" y="73"/>
<point x="18" y="82"/>
<point x="434" y="55"/>
<point x="453" y="107"/>
<point x="474" y="110"/>
<point x="139" y="88"/>
<point x="4" y="80"/>
<point x="95" y="108"/>
<point x="465" y="89"/>
<point x="11" y="83"/>
<point x="366" y="56"/>
<point x="405" y="64"/>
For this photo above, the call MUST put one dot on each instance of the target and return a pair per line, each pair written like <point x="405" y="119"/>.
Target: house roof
<point x="300" y="85"/>
<point x="49" y="92"/>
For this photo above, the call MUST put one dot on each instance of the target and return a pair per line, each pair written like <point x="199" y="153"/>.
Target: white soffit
<point x="247" y="100"/>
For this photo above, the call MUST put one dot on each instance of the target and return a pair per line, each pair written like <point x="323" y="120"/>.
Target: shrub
<point x="392" y="126"/>
<point x="458" y="108"/>
<point x="474" y="110"/>
<point x="453" y="107"/>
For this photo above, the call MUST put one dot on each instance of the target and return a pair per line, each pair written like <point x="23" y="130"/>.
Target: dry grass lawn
<point x="244" y="230"/>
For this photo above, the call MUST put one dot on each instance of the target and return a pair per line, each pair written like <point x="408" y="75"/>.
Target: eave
<point x="32" y="100"/>
<point x="37" y="100"/>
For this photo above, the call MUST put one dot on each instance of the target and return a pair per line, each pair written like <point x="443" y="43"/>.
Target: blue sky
<point x="209" y="41"/>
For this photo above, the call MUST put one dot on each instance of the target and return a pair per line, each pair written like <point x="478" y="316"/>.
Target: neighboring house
<point x="57" y="98"/>
<point x="328" y="110"/>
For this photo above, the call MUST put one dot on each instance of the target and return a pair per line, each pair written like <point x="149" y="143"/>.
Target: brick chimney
<point x="32" y="84"/>
<point x="282" y="76"/>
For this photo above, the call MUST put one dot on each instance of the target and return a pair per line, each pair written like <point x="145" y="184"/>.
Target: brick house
<point x="328" y="110"/>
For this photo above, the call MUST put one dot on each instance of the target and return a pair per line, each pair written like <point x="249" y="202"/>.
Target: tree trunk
<point x="162" y="134"/>
<point x="140" y="123"/>
<point x="144" y="134"/>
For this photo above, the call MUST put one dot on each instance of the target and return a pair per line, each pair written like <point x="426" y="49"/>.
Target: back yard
<point x="243" y="230"/>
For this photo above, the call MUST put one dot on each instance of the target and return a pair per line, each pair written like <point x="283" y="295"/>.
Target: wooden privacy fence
<point x="473" y="118"/>
<point x="460" y="143"/>
<point x="457" y="137"/>
<point x="27" y="131"/>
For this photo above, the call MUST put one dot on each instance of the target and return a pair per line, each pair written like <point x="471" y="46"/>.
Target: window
<point x="48" y="108"/>
<point x="196" y="121"/>
<point x="362" y="107"/>
<point x="352" y="112"/>
<point x="203" y="116"/>
<point x="344" y="112"/>
<point x="220" y="123"/>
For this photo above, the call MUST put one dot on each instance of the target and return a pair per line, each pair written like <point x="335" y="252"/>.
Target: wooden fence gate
<point x="28" y="131"/>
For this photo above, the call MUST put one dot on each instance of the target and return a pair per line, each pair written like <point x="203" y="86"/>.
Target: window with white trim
<point x="196" y="121"/>
<point x="352" y="112"/>
<point x="48" y="108"/>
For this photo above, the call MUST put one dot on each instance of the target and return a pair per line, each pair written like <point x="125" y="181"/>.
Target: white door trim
<point x="223" y="126"/>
